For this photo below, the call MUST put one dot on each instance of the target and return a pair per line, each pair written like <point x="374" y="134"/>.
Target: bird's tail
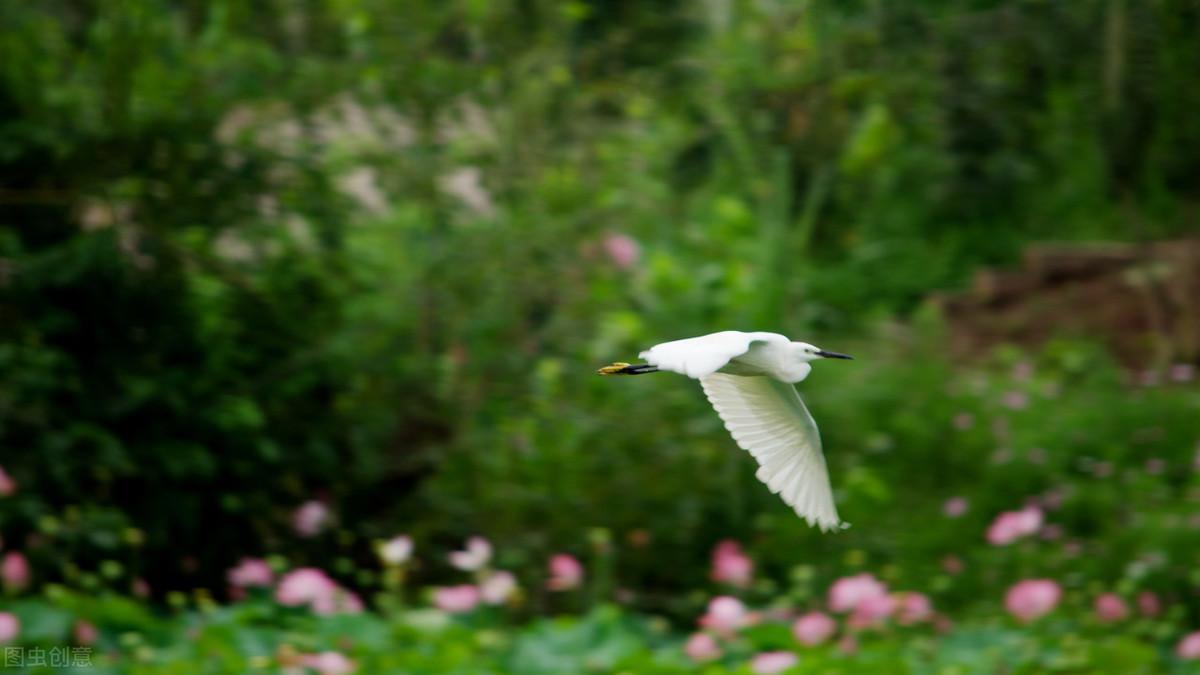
<point x="627" y="369"/>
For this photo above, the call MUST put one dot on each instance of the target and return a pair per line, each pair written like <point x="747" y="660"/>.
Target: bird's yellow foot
<point x="614" y="369"/>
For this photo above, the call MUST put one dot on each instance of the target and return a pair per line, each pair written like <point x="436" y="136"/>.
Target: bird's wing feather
<point x="704" y="355"/>
<point x="768" y="419"/>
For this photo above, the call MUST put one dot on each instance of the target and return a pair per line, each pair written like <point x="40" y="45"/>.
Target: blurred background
<point x="301" y="303"/>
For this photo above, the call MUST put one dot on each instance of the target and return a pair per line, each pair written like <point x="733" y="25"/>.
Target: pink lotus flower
<point x="312" y="587"/>
<point x="1013" y="525"/>
<point x="14" y="571"/>
<point x="848" y="592"/>
<point x="303" y="587"/>
<point x="498" y="587"/>
<point x="1148" y="604"/>
<point x="1187" y="649"/>
<point x="7" y="484"/>
<point x="84" y="633"/>
<point x="622" y="250"/>
<point x="1022" y="371"/>
<point x="872" y="611"/>
<point x="1032" y="598"/>
<point x="770" y="663"/>
<point x="913" y="608"/>
<point x="1016" y="400"/>
<point x="814" y="628"/>
<point x="1111" y="608"/>
<point x="1182" y="372"/>
<point x="725" y="615"/>
<point x="251" y="572"/>
<point x="565" y="573"/>
<point x="456" y="599"/>
<point x="10" y="627"/>
<point x="731" y="565"/>
<point x="328" y="663"/>
<point x="475" y="557"/>
<point x="396" y="551"/>
<point x="955" y="507"/>
<point x="310" y="518"/>
<point x="701" y="647"/>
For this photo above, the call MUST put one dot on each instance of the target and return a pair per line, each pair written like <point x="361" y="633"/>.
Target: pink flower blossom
<point x="1022" y="371"/>
<point x="814" y="628"/>
<point x="15" y="571"/>
<point x="1182" y="372"/>
<point x="303" y="587"/>
<point x="701" y="647"/>
<point x="953" y="565"/>
<point x="312" y="587"/>
<point x="1187" y="649"/>
<point x="565" y="573"/>
<point x="328" y="663"/>
<point x="731" y="565"/>
<point x="10" y="627"/>
<point x="848" y="592"/>
<point x="1111" y="608"/>
<point x="456" y="599"/>
<point x="955" y="507"/>
<point x="84" y="633"/>
<point x="872" y="611"/>
<point x="770" y="663"/>
<point x="397" y="550"/>
<point x="1013" y="525"/>
<point x="7" y="484"/>
<point x="140" y="588"/>
<point x="913" y="608"/>
<point x="725" y="615"/>
<point x="1032" y="598"/>
<point x="1016" y="400"/>
<point x="622" y="250"/>
<point x="1155" y="465"/>
<point x="498" y="587"/>
<point x="310" y="518"/>
<point x="475" y="557"/>
<point x="964" y="421"/>
<point x="251" y="572"/>
<point x="1148" y="604"/>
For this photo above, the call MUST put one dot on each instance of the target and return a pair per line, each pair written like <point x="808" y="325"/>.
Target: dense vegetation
<point x="364" y="259"/>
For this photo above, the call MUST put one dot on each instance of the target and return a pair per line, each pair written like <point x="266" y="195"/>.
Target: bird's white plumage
<point x="768" y="419"/>
<point x="747" y="377"/>
<point x="704" y="355"/>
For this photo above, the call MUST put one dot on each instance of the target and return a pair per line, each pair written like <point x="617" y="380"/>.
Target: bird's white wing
<point x="767" y="419"/>
<point x="704" y="355"/>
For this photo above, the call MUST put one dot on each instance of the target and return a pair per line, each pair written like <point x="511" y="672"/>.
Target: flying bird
<point x="749" y="378"/>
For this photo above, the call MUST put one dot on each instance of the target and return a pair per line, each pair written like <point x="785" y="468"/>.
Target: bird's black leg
<point x="628" y="369"/>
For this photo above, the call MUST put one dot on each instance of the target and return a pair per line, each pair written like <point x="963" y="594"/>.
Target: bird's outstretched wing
<point x="704" y="355"/>
<point x="767" y="419"/>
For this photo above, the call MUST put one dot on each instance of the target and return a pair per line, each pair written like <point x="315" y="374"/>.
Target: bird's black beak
<point x="834" y="355"/>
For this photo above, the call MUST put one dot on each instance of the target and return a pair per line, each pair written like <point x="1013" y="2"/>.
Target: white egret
<point x="749" y="378"/>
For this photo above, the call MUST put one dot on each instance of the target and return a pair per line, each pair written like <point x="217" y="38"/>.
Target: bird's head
<point x="808" y="352"/>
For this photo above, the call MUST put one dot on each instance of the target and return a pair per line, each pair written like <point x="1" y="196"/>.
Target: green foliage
<point x="256" y="635"/>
